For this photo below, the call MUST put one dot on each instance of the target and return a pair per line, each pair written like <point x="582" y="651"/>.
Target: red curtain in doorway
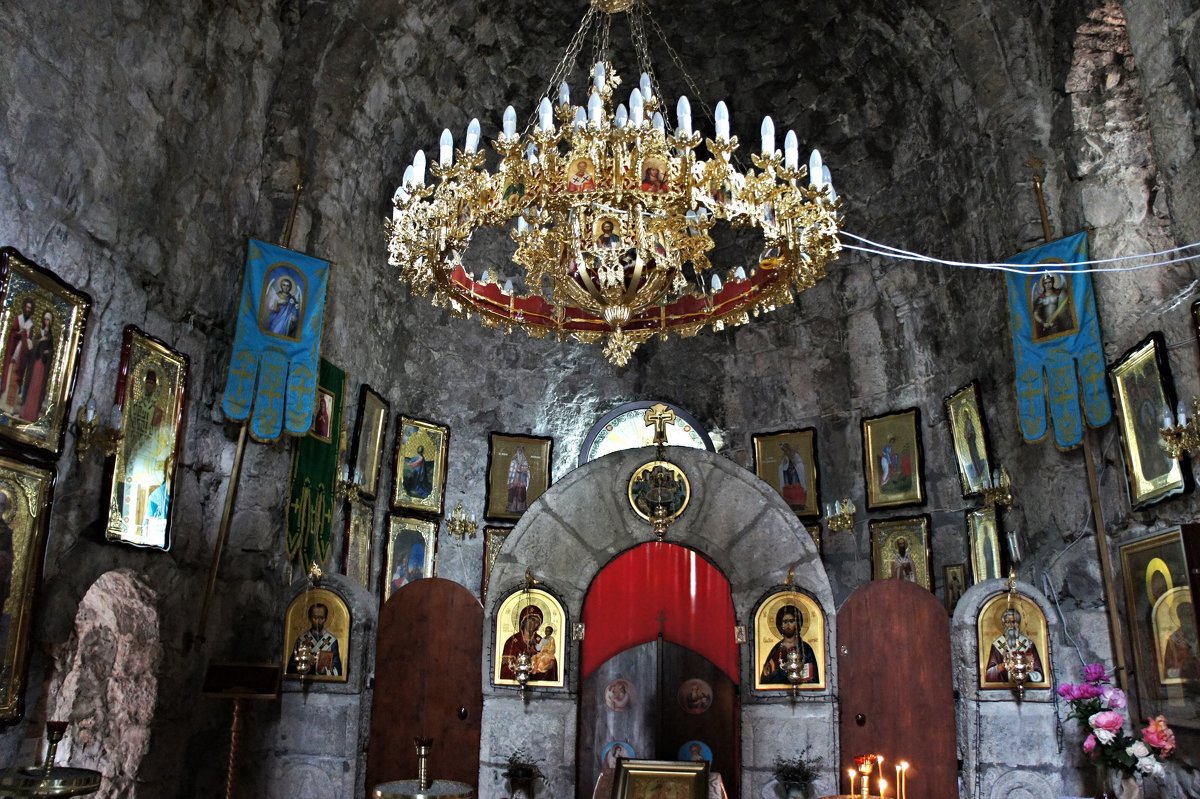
<point x="660" y="586"/>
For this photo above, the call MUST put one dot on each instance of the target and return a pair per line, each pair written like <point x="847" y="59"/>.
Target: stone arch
<point x="105" y="681"/>
<point x="739" y="523"/>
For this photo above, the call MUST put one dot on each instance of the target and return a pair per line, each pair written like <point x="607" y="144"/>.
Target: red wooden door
<point x="897" y="689"/>
<point x="428" y="683"/>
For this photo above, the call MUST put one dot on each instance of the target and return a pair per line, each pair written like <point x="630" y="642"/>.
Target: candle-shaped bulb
<point x="1167" y="421"/>
<point x="637" y="108"/>
<point x="545" y="115"/>
<point x="816" y="175"/>
<point x="510" y="121"/>
<point x="446" y="148"/>
<point x="768" y="136"/>
<point x="522" y="225"/>
<point x="1181" y="413"/>
<point x="485" y="278"/>
<point x="621" y="117"/>
<point x="508" y="287"/>
<point x="791" y="150"/>
<point x="645" y="86"/>
<point x="829" y="181"/>
<point x="472" y="141"/>
<point x="716" y="284"/>
<point x="531" y="153"/>
<point x="419" y="168"/>
<point x="564" y="94"/>
<point x="683" y="113"/>
<point x="90" y="410"/>
<point x="598" y="75"/>
<point x="406" y="182"/>
<point x="722" y="121"/>
<point x="739" y="273"/>
<point x="580" y="117"/>
<point x="595" y="108"/>
<point x="659" y="123"/>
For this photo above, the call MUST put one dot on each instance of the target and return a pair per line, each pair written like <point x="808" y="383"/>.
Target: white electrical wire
<point x="887" y="251"/>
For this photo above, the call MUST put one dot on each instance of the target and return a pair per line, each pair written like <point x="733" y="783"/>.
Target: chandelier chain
<point x="641" y="48"/>
<point x="567" y="64"/>
<point x="687" y="78"/>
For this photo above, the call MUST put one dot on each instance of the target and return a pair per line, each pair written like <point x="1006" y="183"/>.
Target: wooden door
<point x="660" y="701"/>
<point x="896" y="685"/>
<point x="428" y="683"/>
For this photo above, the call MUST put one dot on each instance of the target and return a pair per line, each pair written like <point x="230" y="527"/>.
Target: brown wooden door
<point x="659" y="701"/>
<point x="428" y="683"/>
<point x="896" y="685"/>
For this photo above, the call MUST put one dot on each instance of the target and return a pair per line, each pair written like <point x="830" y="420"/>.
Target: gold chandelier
<point x="611" y="214"/>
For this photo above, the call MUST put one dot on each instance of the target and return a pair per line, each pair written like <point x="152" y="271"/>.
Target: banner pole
<point x="1089" y="460"/>
<point x="235" y="473"/>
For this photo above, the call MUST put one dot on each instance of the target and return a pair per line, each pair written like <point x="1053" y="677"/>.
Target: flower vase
<point x="795" y="790"/>
<point x="1116" y="784"/>
<point x="520" y="787"/>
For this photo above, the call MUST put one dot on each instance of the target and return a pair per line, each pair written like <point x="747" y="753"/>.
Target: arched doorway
<point x="659" y="664"/>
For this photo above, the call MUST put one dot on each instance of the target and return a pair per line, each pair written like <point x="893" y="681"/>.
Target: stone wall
<point x="143" y="144"/>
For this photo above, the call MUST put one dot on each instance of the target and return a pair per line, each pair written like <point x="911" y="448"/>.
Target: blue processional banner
<point x="273" y="370"/>
<point x="1056" y="343"/>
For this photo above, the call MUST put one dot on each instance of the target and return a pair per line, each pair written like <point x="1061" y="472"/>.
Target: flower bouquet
<point x="1096" y="703"/>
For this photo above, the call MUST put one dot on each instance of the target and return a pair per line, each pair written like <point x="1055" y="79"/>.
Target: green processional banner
<point x="315" y="459"/>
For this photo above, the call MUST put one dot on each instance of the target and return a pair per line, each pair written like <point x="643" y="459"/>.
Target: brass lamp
<point x="459" y="524"/>
<point x="840" y="515"/>
<point x="1179" y="433"/>
<point x="92" y="433"/>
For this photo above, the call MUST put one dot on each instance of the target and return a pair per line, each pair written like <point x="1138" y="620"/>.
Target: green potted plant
<point x="795" y="774"/>
<point x="522" y="771"/>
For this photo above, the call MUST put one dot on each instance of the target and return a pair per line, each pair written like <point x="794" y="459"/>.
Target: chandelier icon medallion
<point x="610" y="212"/>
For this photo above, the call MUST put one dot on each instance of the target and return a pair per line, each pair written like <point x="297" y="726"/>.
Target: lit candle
<point x="897" y="781"/>
<point x="853" y="774"/>
<point x="882" y="787"/>
<point x="903" y="779"/>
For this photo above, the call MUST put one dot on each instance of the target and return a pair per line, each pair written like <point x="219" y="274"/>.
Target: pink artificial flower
<point x="1095" y="672"/>
<point x="1089" y="744"/>
<point x="1069" y="691"/>
<point x="1105" y="725"/>
<point x="1158" y="735"/>
<point x="1088" y="691"/>
<point x="1113" y="698"/>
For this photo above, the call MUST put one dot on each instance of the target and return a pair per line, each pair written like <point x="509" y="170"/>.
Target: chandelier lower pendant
<point x="611" y="216"/>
